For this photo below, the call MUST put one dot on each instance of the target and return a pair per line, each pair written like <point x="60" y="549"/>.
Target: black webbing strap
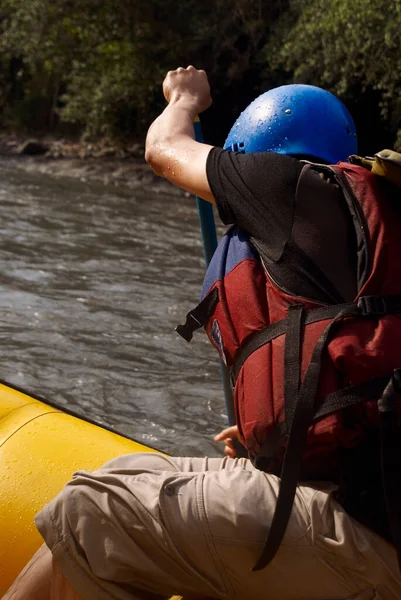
<point x="199" y="316"/>
<point x="302" y="418"/>
<point x="369" y="390"/>
<point x="269" y="333"/>
<point x="391" y="457"/>
<point x="349" y="396"/>
<point x="292" y="360"/>
<point x="366" y="306"/>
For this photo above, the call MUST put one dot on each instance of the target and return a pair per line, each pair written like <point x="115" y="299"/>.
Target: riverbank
<point x="101" y="161"/>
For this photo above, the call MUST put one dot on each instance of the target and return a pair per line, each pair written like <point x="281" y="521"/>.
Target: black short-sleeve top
<point x="296" y="218"/>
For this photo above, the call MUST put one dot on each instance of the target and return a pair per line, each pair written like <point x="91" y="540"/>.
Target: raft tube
<point x="40" y="447"/>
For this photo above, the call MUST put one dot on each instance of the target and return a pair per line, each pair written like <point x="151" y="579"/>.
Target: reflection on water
<point x="93" y="281"/>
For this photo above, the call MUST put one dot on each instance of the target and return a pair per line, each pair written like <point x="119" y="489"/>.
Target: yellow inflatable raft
<point x="40" y="447"/>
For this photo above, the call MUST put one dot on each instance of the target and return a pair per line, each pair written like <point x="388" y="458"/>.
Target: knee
<point x="141" y="461"/>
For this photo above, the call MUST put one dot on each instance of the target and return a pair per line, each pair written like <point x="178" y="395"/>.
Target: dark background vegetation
<point x="94" y="68"/>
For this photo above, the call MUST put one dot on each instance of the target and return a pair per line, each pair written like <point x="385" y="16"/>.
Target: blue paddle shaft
<point x="206" y="216"/>
<point x="209" y="239"/>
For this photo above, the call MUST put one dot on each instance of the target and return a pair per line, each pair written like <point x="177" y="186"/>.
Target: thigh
<point x="185" y="464"/>
<point x="196" y="527"/>
<point x="324" y="554"/>
<point x="136" y="523"/>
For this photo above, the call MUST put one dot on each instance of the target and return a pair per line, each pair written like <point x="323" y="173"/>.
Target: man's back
<point x="297" y="218"/>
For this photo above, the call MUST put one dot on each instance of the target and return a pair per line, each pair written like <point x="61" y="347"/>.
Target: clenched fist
<point x="190" y="84"/>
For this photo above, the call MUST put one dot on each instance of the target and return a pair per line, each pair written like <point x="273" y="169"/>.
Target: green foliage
<point x="99" y="65"/>
<point x="351" y="48"/>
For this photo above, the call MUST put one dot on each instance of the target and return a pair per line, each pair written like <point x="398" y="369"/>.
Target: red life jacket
<point x="308" y="377"/>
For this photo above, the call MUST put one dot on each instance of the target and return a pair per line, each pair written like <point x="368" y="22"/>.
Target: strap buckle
<point x="372" y="305"/>
<point x="199" y="316"/>
<point x="191" y="324"/>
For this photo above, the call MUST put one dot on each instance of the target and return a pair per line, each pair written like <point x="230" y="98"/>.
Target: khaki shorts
<point x="147" y="526"/>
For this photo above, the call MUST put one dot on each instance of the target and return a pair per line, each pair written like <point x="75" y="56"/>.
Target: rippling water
<point x="93" y="280"/>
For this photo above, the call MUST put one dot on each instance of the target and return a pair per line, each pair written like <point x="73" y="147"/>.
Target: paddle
<point x="209" y="239"/>
<point x="205" y="212"/>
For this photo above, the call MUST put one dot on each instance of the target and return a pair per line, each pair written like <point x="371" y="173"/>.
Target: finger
<point x="166" y="91"/>
<point x="228" y="432"/>
<point x="231" y="431"/>
<point x="230" y="452"/>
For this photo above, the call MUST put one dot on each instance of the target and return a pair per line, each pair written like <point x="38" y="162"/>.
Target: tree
<point x="351" y="48"/>
<point x="101" y="64"/>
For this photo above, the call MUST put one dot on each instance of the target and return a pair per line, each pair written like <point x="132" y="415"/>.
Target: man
<point x="146" y="526"/>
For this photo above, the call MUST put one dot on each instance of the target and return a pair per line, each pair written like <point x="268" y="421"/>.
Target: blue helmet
<point x="299" y="120"/>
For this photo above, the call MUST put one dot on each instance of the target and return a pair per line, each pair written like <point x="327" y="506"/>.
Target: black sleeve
<point x="257" y="192"/>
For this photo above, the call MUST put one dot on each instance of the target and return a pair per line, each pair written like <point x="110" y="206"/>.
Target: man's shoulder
<point x="260" y="156"/>
<point x="254" y="164"/>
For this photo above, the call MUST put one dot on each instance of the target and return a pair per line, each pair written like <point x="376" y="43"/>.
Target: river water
<point x="93" y="280"/>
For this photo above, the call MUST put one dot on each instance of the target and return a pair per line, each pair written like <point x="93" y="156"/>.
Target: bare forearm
<point x="171" y="149"/>
<point x="173" y="127"/>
